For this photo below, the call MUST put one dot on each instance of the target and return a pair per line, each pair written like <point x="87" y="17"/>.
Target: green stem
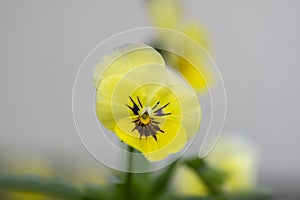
<point x="201" y="168"/>
<point x="129" y="173"/>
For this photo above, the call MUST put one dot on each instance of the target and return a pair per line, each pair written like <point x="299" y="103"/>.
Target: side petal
<point x="189" y="104"/>
<point x="104" y="101"/>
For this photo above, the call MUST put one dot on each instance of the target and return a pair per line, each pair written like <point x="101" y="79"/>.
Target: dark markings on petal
<point x="147" y="131"/>
<point x="165" y="105"/>
<point x="152" y="131"/>
<point x="155" y="105"/>
<point x="135" y="121"/>
<point x="159" y="112"/>
<point x="156" y="127"/>
<point x="139" y="102"/>
<point x="141" y="134"/>
<point x="143" y="131"/>
<point x="135" y="128"/>
<point x="155" y="137"/>
<point x="162" y="114"/>
<point x="155" y="122"/>
<point x="151" y="128"/>
<point x="135" y="109"/>
<point x="140" y="130"/>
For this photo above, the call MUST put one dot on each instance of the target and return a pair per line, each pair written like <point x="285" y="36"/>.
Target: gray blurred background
<point x="256" y="46"/>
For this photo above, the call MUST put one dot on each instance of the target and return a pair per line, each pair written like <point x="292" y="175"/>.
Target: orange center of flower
<point x="145" y="118"/>
<point x="144" y="123"/>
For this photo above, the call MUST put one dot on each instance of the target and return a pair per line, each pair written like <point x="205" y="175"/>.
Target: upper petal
<point x="111" y="69"/>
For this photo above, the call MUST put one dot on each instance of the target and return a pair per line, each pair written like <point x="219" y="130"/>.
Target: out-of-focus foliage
<point x="145" y="186"/>
<point x="226" y="174"/>
<point x="230" y="170"/>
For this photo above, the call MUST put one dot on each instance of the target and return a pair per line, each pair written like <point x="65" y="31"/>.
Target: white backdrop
<point x="256" y="46"/>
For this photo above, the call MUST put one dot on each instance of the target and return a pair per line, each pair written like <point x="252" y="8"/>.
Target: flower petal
<point x="191" y="110"/>
<point x="124" y="58"/>
<point x="111" y="69"/>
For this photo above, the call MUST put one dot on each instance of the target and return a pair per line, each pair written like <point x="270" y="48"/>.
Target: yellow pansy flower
<point x="196" y="186"/>
<point x="192" y="64"/>
<point x="238" y="159"/>
<point x="165" y="13"/>
<point x="148" y="105"/>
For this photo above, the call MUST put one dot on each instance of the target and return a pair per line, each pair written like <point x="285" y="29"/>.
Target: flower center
<point x="144" y="123"/>
<point x="145" y="118"/>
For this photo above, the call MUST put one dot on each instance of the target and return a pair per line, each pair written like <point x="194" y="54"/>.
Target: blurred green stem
<point x="129" y="173"/>
<point x="210" y="187"/>
<point x="211" y="177"/>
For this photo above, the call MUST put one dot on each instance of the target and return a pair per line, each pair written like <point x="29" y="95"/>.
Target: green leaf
<point x="173" y="197"/>
<point x="160" y="184"/>
<point x="212" y="177"/>
<point x="203" y="198"/>
<point x="96" y="192"/>
<point x="120" y="191"/>
<point x="142" y="182"/>
<point x="120" y="176"/>
<point x="250" y="195"/>
<point x="50" y="187"/>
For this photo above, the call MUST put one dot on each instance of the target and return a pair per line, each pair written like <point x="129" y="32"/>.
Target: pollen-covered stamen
<point x="145" y="124"/>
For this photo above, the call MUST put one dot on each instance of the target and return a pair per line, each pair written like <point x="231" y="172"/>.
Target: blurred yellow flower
<point x="149" y="106"/>
<point x="192" y="64"/>
<point x="192" y="184"/>
<point x="238" y="159"/>
<point x="165" y="13"/>
<point x="233" y="156"/>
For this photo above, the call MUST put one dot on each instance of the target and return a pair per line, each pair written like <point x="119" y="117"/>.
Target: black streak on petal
<point x="159" y="112"/>
<point x="139" y="102"/>
<point x="155" y="106"/>
<point x="155" y="137"/>
<point x="135" y="109"/>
